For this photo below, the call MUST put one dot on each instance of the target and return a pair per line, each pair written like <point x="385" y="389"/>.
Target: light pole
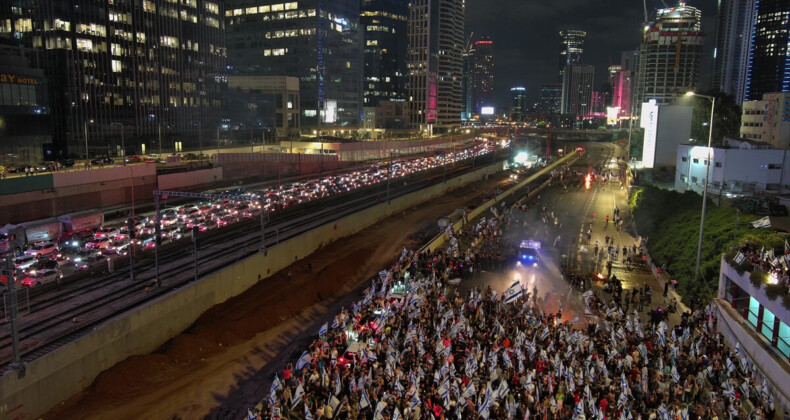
<point x="85" y="131"/>
<point x="123" y="144"/>
<point x="705" y="185"/>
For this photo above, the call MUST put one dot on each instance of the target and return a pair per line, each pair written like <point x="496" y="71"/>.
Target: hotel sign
<point x="21" y="80"/>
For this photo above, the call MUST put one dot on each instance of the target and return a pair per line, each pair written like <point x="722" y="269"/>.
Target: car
<point x="134" y="159"/>
<point x="40" y="277"/>
<point x="81" y="254"/>
<point x="103" y="161"/>
<point x="66" y="163"/>
<point x="528" y="253"/>
<point x="42" y="249"/>
<point x="99" y="243"/>
<point x="43" y="264"/>
<point x="117" y="247"/>
<point x="91" y="262"/>
<point x="208" y="224"/>
<point x="74" y="242"/>
<point x="171" y="232"/>
<point x="106" y="232"/>
<point x="24" y="261"/>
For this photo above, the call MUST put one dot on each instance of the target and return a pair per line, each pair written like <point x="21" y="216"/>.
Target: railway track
<point x="62" y="313"/>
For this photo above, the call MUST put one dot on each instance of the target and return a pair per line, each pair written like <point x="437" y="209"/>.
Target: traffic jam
<point x="49" y="250"/>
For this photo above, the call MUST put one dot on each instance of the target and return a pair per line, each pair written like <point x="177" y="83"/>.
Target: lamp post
<point x="85" y="131"/>
<point x="705" y="185"/>
<point x="123" y="144"/>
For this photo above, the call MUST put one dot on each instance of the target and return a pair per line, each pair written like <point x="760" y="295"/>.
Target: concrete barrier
<point x="189" y="180"/>
<point x="68" y="370"/>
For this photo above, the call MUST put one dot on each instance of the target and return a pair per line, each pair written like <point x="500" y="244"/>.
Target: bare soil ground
<point x="203" y="367"/>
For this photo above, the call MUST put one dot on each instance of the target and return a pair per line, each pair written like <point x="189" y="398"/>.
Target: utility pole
<point x="195" y="230"/>
<point x="262" y="248"/>
<point x="16" y="362"/>
<point x="157" y="236"/>
<point x="160" y="139"/>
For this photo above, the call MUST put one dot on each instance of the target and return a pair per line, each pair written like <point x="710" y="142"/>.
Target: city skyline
<point x="530" y="57"/>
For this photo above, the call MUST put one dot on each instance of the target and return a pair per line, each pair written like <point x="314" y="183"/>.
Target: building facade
<point x="120" y="73"/>
<point x="769" y="63"/>
<point x="571" y="48"/>
<point x="733" y="37"/>
<point x="313" y="40"/>
<point x="767" y="120"/>
<point x="758" y="324"/>
<point x="383" y="24"/>
<point x="25" y="122"/>
<point x="436" y="37"/>
<point x="519" y="105"/>
<point x="550" y="98"/>
<point x="621" y="91"/>
<point x="670" y="55"/>
<point x="745" y="167"/>
<point x="482" y="74"/>
<point x="577" y="90"/>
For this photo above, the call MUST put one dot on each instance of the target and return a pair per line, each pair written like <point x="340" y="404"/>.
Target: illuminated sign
<point x="13" y="78"/>
<point x="611" y="115"/>
<point x="487" y="110"/>
<point x="330" y="111"/>
<point x="649" y="122"/>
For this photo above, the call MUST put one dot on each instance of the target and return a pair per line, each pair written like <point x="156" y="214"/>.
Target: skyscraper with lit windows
<point x="571" y="48"/>
<point x="769" y="63"/>
<point x="482" y="74"/>
<point x="383" y="24"/>
<point x="317" y="41"/>
<point x="436" y="38"/>
<point x="122" y="72"/>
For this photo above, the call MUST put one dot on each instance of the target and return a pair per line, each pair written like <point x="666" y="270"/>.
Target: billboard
<point x="649" y="122"/>
<point x="612" y="114"/>
<point x="487" y="110"/>
<point x="330" y="111"/>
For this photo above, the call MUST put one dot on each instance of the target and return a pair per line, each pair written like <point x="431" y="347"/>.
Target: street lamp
<point x="123" y="144"/>
<point x="705" y="185"/>
<point x="85" y="131"/>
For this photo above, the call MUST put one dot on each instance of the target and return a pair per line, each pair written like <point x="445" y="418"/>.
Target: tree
<point x="726" y="119"/>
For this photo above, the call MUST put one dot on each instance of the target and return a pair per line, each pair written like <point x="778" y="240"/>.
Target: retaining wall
<point x="68" y="370"/>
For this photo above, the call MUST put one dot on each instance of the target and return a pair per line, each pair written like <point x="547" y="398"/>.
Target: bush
<point x="671" y="220"/>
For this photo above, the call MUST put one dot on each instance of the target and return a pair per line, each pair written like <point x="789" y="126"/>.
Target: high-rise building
<point x="467" y="97"/>
<point x="768" y="119"/>
<point x="571" y="48"/>
<point x="769" y="63"/>
<point x="482" y="77"/>
<point x="577" y="90"/>
<point x="731" y="57"/>
<point x="436" y="38"/>
<point x="125" y="67"/>
<point x="550" y="98"/>
<point x="519" y="105"/>
<point x="25" y="123"/>
<point x="670" y="55"/>
<point x="383" y="24"/>
<point x="314" y="40"/>
<point x="621" y="91"/>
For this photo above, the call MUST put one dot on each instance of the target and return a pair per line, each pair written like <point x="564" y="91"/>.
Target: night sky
<point x="526" y="36"/>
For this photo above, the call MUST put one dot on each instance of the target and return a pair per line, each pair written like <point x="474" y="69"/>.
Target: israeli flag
<point x="764" y="222"/>
<point x="662" y="339"/>
<point x="298" y="394"/>
<point x="379" y="410"/>
<point x="730" y="366"/>
<point x="304" y="359"/>
<point x="662" y="413"/>
<point x="684" y="413"/>
<point x="272" y="398"/>
<point x="513" y="292"/>
<point x="276" y="385"/>
<point x="307" y="414"/>
<point x="578" y="412"/>
<point x="764" y="389"/>
<point x="363" y="400"/>
<point x="370" y="355"/>
<point x="675" y="374"/>
<point x="323" y="330"/>
<point x="739" y="258"/>
<point x="415" y="402"/>
<point x="396" y="414"/>
<point x="494" y="296"/>
<point x="469" y="391"/>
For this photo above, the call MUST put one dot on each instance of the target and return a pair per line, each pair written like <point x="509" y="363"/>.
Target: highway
<point x="56" y="315"/>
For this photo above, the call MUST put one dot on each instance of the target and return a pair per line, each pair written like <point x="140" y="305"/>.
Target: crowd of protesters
<point x="435" y="353"/>
<point x="767" y="261"/>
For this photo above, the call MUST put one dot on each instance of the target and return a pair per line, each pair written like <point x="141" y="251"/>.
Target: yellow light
<point x="773" y="279"/>
<point x="689" y="93"/>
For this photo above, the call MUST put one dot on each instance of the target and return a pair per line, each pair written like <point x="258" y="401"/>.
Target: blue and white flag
<point x="304" y="359"/>
<point x="578" y="412"/>
<point x="469" y="391"/>
<point x="764" y="222"/>
<point x="730" y="367"/>
<point x="513" y="292"/>
<point x="276" y="385"/>
<point x="251" y="415"/>
<point x="396" y="414"/>
<point x="663" y="414"/>
<point x="307" y="414"/>
<point x="675" y="374"/>
<point x="323" y="330"/>
<point x="739" y="258"/>
<point x="377" y="415"/>
<point x="298" y="394"/>
<point x="363" y="400"/>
